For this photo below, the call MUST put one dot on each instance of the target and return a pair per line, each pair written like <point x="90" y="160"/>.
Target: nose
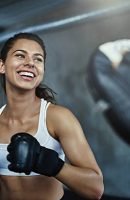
<point x="29" y="62"/>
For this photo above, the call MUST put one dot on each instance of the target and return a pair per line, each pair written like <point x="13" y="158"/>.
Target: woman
<point x="40" y="132"/>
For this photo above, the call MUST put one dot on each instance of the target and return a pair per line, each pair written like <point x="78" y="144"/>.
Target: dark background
<point x="71" y="30"/>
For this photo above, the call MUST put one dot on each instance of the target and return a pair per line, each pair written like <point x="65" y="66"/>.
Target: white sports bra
<point x="41" y="135"/>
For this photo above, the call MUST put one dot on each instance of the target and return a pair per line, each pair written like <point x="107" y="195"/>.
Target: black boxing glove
<point x="26" y="155"/>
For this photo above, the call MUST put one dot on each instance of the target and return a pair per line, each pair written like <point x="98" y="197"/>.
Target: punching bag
<point x="108" y="78"/>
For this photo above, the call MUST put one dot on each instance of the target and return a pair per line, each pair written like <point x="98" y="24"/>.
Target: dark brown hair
<point x="42" y="91"/>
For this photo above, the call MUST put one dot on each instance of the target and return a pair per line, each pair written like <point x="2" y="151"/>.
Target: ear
<point x="2" y="67"/>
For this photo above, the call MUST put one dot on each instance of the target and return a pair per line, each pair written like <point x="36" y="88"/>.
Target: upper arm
<point x="73" y="141"/>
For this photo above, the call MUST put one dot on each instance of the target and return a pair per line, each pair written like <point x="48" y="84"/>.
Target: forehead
<point x="27" y="45"/>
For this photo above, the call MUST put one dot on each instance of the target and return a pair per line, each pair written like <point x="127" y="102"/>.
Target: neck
<point x="21" y="105"/>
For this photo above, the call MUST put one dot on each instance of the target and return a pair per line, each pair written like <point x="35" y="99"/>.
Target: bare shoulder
<point x="61" y="121"/>
<point x="59" y="111"/>
<point x="67" y="129"/>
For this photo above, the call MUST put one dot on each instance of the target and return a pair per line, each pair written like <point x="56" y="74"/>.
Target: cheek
<point x="12" y="64"/>
<point x="41" y="70"/>
<point x="41" y="73"/>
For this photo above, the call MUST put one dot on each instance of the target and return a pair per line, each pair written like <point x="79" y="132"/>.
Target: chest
<point x="10" y="128"/>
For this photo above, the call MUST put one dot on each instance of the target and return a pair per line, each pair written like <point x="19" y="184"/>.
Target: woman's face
<point x="24" y="65"/>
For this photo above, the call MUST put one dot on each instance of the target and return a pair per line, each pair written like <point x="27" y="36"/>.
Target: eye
<point x="19" y="55"/>
<point x="37" y="59"/>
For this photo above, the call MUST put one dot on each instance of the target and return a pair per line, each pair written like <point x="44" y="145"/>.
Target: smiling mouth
<point x="26" y="74"/>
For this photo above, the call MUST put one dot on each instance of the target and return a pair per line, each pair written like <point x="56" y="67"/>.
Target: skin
<point x="81" y="173"/>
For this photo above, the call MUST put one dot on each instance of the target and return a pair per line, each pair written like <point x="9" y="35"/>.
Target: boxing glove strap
<point x="59" y="166"/>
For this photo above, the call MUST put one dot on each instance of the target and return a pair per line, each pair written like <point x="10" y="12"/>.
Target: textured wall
<point x="68" y="54"/>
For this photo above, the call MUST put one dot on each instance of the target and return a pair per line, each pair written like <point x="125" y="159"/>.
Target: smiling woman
<point x="37" y="134"/>
<point x="42" y="90"/>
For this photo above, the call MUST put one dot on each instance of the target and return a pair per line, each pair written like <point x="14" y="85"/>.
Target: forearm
<point x="85" y="182"/>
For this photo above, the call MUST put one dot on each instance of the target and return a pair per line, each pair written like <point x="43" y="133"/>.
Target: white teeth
<point x="26" y="74"/>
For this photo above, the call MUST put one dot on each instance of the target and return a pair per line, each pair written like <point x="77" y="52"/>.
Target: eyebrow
<point x="36" y="54"/>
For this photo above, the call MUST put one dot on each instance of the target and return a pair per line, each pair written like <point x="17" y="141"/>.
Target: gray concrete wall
<point x="68" y="54"/>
